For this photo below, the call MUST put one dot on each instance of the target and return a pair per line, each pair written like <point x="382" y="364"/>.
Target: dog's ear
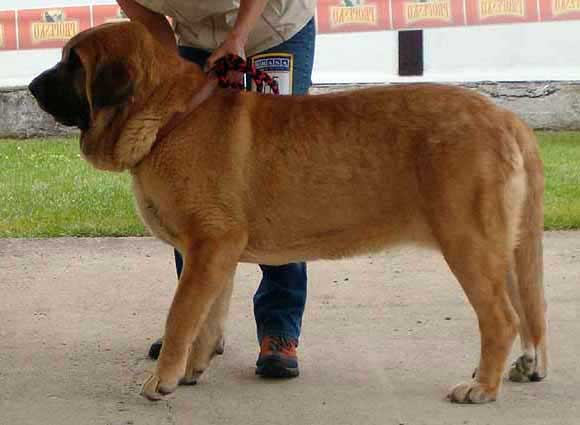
<point x="112" y="85"/>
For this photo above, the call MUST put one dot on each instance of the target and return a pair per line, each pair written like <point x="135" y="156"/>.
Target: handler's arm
<point x="248" y="15"/>
<point x="156" y="23"/>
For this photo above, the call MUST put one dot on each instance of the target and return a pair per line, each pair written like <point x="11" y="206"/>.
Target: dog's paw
<point x="191" y="377"/>
<point x="199" y="360"/>
<point x="471" y="393"/>
<point x="154" y="390"/>
<point x="524" y="370"/>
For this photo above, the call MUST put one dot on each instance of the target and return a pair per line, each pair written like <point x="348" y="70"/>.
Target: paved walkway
<point x="384" y="338"/>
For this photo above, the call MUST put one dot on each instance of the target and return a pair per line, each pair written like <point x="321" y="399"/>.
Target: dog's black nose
<point x="34" y="87"/>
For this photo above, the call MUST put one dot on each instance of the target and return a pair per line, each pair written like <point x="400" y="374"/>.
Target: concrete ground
<point x="384" y="338"/>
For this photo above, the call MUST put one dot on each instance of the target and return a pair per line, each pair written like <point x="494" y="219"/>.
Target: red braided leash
<point x="220" y="70"/>
<point x="236" y="63"/>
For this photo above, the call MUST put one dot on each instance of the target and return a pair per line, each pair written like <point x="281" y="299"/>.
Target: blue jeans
<point x="281" y="297"/>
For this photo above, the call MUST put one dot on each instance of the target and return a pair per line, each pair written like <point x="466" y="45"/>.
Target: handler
<point x="278" y="37"/>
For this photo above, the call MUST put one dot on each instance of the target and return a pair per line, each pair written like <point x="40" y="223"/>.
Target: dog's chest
<point x="148" y="203"/>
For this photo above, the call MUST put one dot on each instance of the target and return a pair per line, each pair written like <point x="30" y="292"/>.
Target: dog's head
<point x="60" y="91"/>
<point x="113" y="82"/>
<point x="99" y="69"/>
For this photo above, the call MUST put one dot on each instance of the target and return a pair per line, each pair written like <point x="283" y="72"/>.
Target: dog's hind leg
<point x="478" y="248"/>
<point x="481" y="271"/>
<point x="527" y="288"/>
<point x="210" y="340"/>
<point x="209" y="268"/>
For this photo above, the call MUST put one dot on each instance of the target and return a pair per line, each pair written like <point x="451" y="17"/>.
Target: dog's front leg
<point x="209" y="266"/>
<point x="210" y="340"/>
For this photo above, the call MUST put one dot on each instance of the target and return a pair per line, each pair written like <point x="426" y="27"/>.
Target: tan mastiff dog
<point x="228" y="177"/>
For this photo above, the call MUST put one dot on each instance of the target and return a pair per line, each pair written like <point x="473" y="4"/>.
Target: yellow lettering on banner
<point x="560" y="7"/>
<point x="49" y="31"/>
<point x="1" y="36"/>
<point x="434" y="10"/>
<point x="343" y="15"/>
<point x="491" y="8"/>
<point x="116" y="19"/>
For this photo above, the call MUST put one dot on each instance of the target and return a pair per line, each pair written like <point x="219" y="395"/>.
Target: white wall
<point x="517" y="52"/>
<point x="524" y="52"/>
<point x="365" y="57"/>
<point x="18" y="67"/>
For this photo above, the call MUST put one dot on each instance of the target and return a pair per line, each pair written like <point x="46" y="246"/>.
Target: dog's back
<point x="363" y="170"/>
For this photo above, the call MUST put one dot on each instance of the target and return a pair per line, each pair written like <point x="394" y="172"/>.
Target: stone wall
<point x="543" y="105"/>
<point x="20" y="116"/>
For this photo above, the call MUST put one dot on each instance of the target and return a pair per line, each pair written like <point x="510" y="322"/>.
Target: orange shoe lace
<point x="279" y="345"/>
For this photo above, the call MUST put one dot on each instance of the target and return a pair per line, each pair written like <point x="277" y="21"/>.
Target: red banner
<point x="556" y="10"/>
<point x="501" y="11"/>
<point x="427" y="13"/>
<point x="103" y="14"/>
<point x="52" y="27"/>
<point x="8" y="30"/>
<point x="352" y="16"/>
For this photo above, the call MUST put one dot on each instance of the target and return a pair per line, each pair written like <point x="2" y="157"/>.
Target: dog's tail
<point x="526" y="283"/>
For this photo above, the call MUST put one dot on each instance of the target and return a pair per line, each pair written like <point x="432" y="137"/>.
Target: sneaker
<point x="278" y="358"/>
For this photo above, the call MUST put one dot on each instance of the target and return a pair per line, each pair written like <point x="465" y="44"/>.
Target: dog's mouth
<point x="81" y="124"/>
<point x="84" y="121"/>
<point x="81" y="119"/>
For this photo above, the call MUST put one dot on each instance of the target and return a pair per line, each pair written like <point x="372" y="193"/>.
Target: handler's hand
<point x="232" y="45"/>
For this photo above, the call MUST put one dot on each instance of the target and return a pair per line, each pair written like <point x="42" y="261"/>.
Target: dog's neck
<point x="118" y="144"/>
<point x="177" y="117"/>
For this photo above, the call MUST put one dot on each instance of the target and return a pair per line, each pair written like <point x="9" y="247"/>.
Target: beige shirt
<point x="206" y="23"/>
